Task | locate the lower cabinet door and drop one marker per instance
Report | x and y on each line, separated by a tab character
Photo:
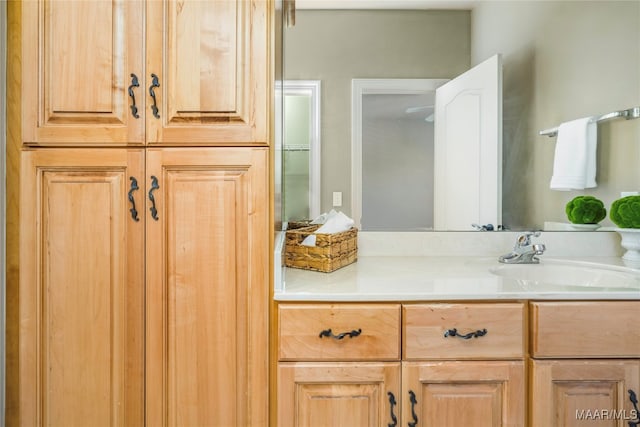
326	394
568	393
454	394
207	276
82	288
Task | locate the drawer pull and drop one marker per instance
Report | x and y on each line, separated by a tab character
134	187
154	186
414	402
392	403
634	400
328	333
154	84
454	333
134	83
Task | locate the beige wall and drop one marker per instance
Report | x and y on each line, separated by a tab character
562	61
339	45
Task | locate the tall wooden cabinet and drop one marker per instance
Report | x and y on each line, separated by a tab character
144	284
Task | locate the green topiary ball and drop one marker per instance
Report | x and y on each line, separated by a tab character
585	210
625	212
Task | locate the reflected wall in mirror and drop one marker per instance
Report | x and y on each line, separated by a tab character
562	60
301	148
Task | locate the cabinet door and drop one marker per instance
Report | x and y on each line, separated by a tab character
78	61
81	289
210	59
571	393
437	394
207	287
338	394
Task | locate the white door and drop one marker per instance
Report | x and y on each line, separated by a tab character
468	149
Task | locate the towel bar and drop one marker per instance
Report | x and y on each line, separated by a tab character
631	113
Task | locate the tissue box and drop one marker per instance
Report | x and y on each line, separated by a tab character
331	252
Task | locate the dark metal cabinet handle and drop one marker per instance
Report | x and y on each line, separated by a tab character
134	83
134	187
154	186
414	402
392	403
328	333
476	334
154	83
634	401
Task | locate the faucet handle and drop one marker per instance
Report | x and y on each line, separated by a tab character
524	239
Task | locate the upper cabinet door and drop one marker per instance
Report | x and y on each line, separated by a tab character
79	61
207	66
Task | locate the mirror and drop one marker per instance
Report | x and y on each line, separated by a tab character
562	60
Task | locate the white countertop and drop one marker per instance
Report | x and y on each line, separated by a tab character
431	278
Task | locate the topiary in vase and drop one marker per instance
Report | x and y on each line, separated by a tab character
625	213
585	211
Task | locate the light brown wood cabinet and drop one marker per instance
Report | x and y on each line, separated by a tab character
144	267
461	364
116	73
433	391
585	360
122	326
81	289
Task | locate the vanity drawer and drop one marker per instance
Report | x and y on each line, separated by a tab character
339	331
499	329
585	329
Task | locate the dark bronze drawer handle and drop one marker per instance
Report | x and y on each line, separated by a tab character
634	400
152	199
154	84
454	333
414	402
392	403
132	95
328	333
134	187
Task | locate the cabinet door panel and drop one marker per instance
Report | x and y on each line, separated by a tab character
487	394
211	61
81	290
338	394
207	288
579	392
78	57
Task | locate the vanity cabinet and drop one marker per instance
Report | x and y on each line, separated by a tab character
339	364
463	364
122	73
344	361
144	303
585	359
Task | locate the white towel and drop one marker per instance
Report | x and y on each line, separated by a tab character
574	164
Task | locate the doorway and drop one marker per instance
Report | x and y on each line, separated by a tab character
392	153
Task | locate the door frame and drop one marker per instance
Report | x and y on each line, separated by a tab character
359	88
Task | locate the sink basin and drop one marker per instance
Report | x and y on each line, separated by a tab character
567	273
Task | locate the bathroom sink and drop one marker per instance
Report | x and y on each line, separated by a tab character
568	273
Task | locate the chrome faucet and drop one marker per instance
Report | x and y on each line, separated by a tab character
524	252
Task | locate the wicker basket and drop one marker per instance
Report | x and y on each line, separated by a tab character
331	252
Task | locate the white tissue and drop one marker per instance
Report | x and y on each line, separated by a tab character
334	222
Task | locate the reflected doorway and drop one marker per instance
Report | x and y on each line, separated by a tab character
392	153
